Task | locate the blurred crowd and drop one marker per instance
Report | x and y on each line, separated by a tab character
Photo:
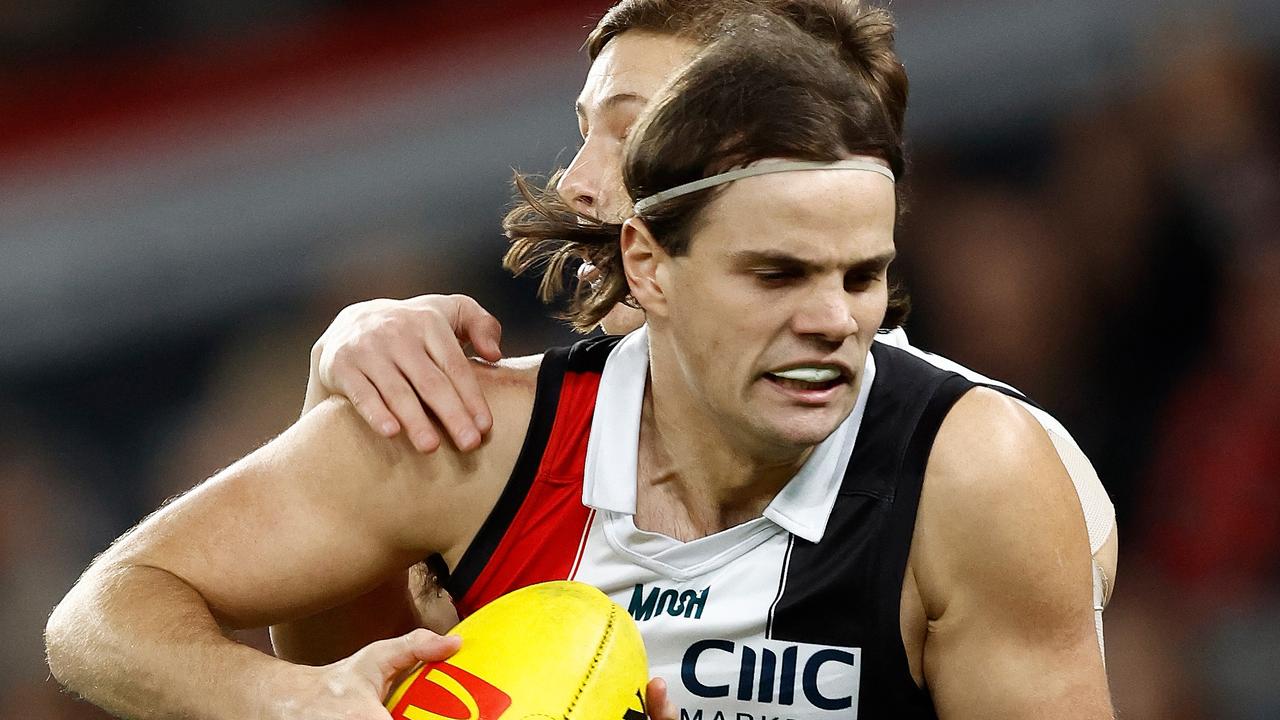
1122	264
1118	260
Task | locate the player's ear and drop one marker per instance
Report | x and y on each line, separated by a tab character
642	258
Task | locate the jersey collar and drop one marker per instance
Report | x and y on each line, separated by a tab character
609	483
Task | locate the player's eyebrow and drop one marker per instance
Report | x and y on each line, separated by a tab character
773	258
769	258
611	102
876	262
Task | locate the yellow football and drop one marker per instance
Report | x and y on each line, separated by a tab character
556	650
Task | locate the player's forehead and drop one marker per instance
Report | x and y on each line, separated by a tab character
631	69
824	218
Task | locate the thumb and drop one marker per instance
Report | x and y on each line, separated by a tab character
657	702
476	326
392	656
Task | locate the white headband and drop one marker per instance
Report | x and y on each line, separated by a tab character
760	168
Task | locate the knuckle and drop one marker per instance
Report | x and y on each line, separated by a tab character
436	315
403	403
456	418
431	381
454	362
343	356
353	348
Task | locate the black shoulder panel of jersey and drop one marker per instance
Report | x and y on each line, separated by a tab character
589	355
1008	390
846	589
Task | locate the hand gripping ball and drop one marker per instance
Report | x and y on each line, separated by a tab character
555	651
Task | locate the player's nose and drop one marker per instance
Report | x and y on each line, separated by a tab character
579	186
827	313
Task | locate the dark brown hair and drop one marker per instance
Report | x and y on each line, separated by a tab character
698	20
774	80
862	35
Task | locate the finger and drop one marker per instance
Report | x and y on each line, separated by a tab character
439	393
460	372
403	402
368	402
475	325
487	339
657	702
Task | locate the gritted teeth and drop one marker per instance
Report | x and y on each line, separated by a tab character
809	374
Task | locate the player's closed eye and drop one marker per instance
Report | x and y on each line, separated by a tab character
860	282
775	278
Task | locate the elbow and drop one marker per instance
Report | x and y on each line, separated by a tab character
69	633
59	643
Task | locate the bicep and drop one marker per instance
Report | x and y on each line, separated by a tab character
1037	658
1007	570
317	516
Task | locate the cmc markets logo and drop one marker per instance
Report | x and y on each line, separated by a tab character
447	692
774	673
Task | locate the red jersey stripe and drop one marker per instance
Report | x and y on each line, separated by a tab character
544	540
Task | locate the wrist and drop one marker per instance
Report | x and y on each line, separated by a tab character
284	690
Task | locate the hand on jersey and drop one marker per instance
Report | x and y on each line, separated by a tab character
401	364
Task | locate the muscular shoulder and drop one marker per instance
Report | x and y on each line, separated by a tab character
1094	501
454	489
510	388
989	445
998	508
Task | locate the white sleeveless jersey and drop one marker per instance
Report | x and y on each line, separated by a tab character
792	615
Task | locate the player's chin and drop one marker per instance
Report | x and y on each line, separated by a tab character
806	427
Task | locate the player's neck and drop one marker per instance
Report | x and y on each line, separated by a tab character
696	476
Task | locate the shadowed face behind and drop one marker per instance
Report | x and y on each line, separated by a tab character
628	73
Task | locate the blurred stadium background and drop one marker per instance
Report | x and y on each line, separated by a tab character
191	189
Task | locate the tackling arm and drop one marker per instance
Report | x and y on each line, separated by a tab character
323	513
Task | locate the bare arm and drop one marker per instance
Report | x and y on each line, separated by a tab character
322	514
1002	562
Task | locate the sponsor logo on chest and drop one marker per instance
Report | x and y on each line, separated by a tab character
646	603
769	680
